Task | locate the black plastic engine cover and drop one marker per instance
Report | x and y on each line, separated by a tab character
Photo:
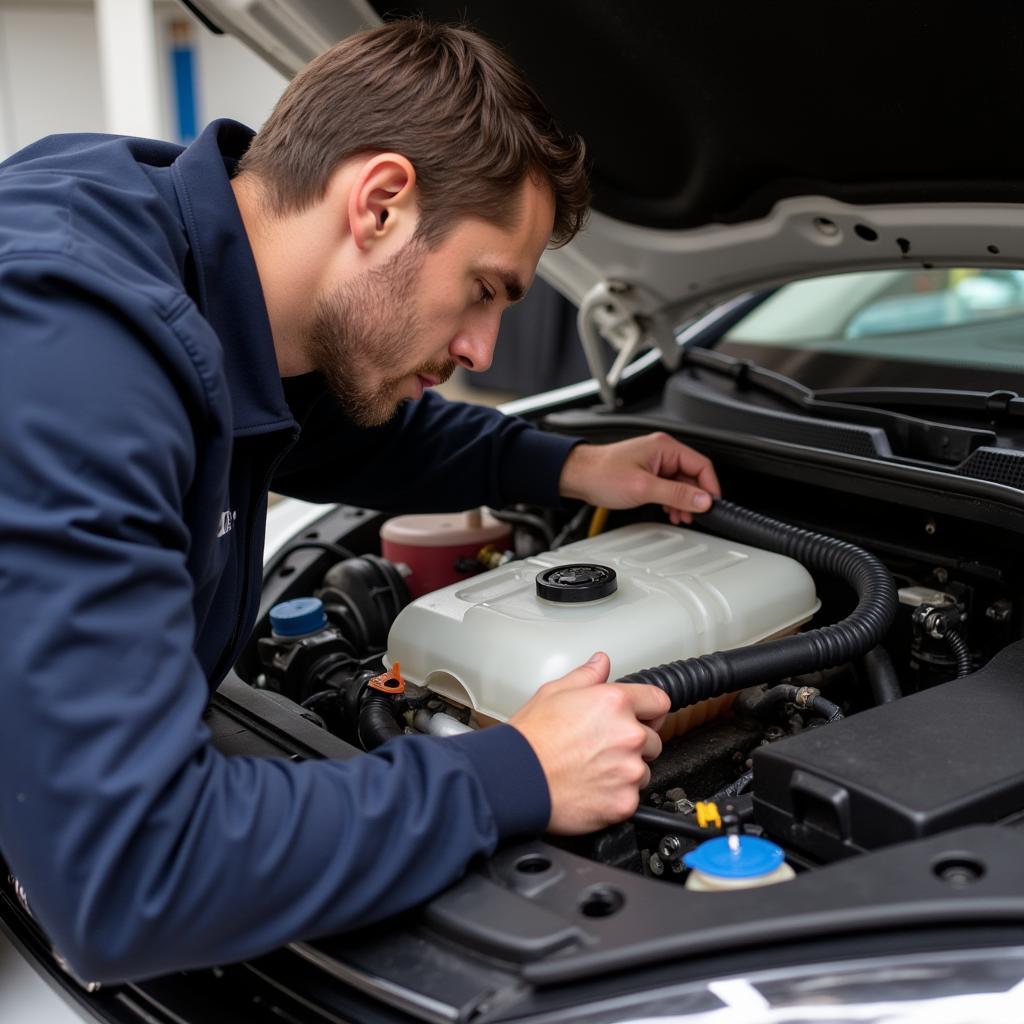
947	757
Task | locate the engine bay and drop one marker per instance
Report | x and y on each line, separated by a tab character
828	763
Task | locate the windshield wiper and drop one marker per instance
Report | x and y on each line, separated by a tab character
910	436
994	406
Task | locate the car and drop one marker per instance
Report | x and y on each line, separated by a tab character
804	259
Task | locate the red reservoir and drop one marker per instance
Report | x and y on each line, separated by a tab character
432	545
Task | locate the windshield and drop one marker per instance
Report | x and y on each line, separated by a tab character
955	328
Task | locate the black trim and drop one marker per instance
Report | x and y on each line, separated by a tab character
193	9
933	490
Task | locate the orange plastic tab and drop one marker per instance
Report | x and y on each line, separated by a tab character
390	681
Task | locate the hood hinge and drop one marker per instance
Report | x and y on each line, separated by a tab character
612	312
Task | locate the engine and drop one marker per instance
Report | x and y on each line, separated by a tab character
772	709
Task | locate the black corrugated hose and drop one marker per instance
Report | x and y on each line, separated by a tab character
695	679
961	652
378	719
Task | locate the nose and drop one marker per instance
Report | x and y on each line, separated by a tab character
473	348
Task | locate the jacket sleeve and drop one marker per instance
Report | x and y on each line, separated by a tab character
433	456
141	848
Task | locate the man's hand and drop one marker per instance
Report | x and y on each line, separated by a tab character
655	468
593	739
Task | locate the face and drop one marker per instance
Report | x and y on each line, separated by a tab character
405	325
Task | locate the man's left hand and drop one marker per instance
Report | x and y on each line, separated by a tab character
655	468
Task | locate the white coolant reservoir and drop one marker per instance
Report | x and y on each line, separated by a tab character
491	642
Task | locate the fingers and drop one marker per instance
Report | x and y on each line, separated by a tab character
593	740
679	461
645	702
652	745
708	479
699	468
672	463
590	673
641	470
657	723
657	720
679	497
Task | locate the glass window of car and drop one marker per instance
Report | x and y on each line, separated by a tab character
909	327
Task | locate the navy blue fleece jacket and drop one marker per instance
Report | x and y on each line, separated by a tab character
140	400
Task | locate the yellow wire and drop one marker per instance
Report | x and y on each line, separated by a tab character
597	521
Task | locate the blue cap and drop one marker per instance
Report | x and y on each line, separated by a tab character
299	617
753	857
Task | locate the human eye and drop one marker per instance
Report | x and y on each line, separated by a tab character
486	293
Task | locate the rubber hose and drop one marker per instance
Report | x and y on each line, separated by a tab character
734	788
756	704
665	821
528	521
961	652
696	679
882	678
829	711
378	720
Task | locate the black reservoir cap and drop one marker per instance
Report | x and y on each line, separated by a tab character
575	583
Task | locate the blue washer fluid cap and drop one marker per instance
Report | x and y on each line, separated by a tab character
753	857
298	617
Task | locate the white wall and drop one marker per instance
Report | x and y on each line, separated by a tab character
50	72
233	82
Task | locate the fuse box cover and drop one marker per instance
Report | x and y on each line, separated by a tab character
946	757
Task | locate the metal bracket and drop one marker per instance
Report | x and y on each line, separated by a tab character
613	312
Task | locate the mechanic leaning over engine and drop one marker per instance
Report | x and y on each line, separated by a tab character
181	329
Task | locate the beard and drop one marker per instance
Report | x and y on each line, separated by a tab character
364	329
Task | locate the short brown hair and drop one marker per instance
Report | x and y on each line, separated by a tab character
444	97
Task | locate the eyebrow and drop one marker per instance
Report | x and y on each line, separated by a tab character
514	289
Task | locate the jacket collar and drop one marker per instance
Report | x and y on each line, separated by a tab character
228	290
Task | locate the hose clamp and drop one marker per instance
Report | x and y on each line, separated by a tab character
937	622
805	696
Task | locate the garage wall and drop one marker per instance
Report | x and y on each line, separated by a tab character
233	81
50	72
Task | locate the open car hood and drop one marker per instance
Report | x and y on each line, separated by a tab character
735	148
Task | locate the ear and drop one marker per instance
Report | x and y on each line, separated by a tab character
382	200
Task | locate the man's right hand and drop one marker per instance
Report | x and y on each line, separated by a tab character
593	740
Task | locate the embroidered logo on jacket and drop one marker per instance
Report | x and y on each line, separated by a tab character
227	521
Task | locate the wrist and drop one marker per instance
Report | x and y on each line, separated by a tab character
575	469
512	777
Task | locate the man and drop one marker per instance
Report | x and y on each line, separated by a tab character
178	331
